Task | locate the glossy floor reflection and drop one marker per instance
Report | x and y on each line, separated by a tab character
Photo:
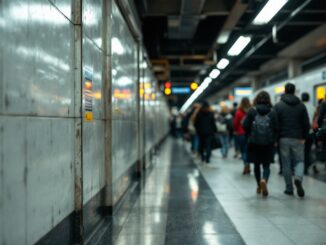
278	219
175	206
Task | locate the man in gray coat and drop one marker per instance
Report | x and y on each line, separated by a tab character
293	130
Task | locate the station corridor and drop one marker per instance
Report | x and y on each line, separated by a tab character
182	202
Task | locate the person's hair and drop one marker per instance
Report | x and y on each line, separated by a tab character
320	101
305	97
263	98
205	105
289	88
235	104
245	104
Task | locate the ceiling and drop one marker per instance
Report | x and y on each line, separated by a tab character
181	37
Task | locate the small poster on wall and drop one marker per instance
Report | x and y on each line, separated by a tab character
88	94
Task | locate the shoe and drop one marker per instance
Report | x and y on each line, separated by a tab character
280	173
263	187
246	170
289	193
300	190
258	191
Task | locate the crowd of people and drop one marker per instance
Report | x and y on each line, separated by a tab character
259	131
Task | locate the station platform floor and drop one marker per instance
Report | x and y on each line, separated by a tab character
184	202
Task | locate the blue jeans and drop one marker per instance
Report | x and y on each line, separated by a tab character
292	150
242	143
266	172
205	147
225	144
194	142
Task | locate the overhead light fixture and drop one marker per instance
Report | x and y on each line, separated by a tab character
239	45
223	37
269	11
214	74
223	63
195	95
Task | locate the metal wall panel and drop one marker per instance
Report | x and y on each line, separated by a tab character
92	21
124	96
36	118
93	60
93	155
38	68
37	176
64	6
124	69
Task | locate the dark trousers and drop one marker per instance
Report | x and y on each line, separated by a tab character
307	151
266	172
242	143
205	147
279	157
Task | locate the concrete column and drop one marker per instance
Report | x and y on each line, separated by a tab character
78	163
294	68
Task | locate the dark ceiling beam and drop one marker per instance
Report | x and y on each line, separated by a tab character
305	23
187	67
235	14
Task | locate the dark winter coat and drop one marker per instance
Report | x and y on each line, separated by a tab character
205	123
261	153
292	117
322	114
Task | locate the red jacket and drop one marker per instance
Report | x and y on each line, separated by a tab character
237	122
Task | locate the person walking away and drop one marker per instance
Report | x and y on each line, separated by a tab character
224	123
206	130
239	132
178	125
293	130
192	130
261	127
310	139
232	135
321	133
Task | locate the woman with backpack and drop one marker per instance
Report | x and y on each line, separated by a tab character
261	127
239	133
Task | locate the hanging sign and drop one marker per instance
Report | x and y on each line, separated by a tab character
88	95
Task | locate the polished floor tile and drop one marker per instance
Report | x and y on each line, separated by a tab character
278	219
176	206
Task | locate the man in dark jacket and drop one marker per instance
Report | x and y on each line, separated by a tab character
293	130
205	127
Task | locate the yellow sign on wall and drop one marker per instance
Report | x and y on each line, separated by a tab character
88	95
320	92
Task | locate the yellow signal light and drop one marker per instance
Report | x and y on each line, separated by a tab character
167	91
194	86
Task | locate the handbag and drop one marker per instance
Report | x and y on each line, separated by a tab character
321	133
216	143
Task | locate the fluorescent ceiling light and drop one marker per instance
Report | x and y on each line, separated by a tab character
223	63
269	11
195	95
223	37
239	45
214	74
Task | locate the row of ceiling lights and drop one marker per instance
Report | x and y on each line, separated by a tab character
264	16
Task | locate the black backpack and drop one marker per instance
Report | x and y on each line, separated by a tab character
262	130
